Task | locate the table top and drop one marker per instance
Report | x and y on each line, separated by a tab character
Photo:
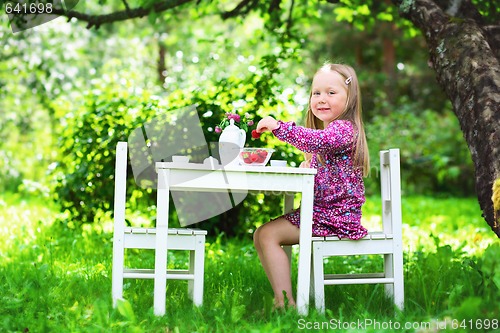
237	168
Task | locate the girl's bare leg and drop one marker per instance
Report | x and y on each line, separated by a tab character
268	239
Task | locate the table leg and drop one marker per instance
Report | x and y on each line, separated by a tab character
288	207
304	266
288	204
160	278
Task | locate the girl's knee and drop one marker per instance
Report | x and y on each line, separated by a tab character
267	235
256	240
261	236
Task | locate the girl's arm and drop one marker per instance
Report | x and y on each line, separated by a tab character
337	136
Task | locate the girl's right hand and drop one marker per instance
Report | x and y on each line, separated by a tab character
267	124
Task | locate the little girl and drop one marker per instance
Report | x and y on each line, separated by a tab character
334	143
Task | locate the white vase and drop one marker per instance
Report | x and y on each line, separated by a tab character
231	140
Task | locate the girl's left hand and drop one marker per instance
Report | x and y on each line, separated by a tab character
267	124
305	164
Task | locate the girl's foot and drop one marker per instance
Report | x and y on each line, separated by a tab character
282	305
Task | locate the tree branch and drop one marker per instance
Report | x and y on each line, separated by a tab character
274	6
289	21
130	13
127	7
241	9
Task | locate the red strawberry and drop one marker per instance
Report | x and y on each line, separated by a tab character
254	157
255	134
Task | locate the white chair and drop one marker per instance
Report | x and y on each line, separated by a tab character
388	243
192	240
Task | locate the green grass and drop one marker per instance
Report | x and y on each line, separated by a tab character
55	279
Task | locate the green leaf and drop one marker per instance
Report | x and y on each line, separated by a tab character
125	309
343	14
152	17
385	17
363	10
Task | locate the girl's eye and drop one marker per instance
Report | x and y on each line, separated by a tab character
331	92
316	93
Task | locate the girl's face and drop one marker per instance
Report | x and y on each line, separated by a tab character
328	96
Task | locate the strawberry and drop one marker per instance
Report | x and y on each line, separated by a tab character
255	134
245	157
254	157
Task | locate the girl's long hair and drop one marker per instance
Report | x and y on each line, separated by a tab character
352	112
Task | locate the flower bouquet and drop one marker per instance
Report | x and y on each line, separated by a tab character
242	122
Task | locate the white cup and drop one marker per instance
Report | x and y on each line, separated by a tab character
180	159
278	163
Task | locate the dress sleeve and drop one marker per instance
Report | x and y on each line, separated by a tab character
338	136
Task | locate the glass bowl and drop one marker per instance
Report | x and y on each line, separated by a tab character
255	156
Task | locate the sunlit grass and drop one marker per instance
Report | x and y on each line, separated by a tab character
453	221
54	279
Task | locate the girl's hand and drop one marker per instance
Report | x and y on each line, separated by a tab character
267	124
305	164
307	161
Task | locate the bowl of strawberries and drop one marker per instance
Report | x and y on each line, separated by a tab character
255	156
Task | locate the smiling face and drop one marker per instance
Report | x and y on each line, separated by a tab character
328	96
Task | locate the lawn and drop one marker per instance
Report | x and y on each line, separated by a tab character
57	279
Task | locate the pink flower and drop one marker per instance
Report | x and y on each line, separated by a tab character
243	122
234	116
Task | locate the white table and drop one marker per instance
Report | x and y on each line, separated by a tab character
199	177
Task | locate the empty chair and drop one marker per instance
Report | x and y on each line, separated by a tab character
192	240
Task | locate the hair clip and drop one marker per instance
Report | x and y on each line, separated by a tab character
348	80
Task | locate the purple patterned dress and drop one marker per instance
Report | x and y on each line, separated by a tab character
339	190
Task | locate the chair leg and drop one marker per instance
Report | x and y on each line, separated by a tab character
192	270
318	273
312	285
117	273
399	297
389	272
399	293
393	267
197	266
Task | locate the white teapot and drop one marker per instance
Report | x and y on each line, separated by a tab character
233	134
231	140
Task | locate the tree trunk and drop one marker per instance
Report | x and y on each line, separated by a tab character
464	54
161	68
389	60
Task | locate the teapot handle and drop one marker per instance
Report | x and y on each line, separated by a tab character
243	138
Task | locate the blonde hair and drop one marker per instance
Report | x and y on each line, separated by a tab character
352	112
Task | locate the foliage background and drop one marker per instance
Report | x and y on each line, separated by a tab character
69	94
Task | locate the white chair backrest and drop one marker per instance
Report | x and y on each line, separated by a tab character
120	187
391	192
